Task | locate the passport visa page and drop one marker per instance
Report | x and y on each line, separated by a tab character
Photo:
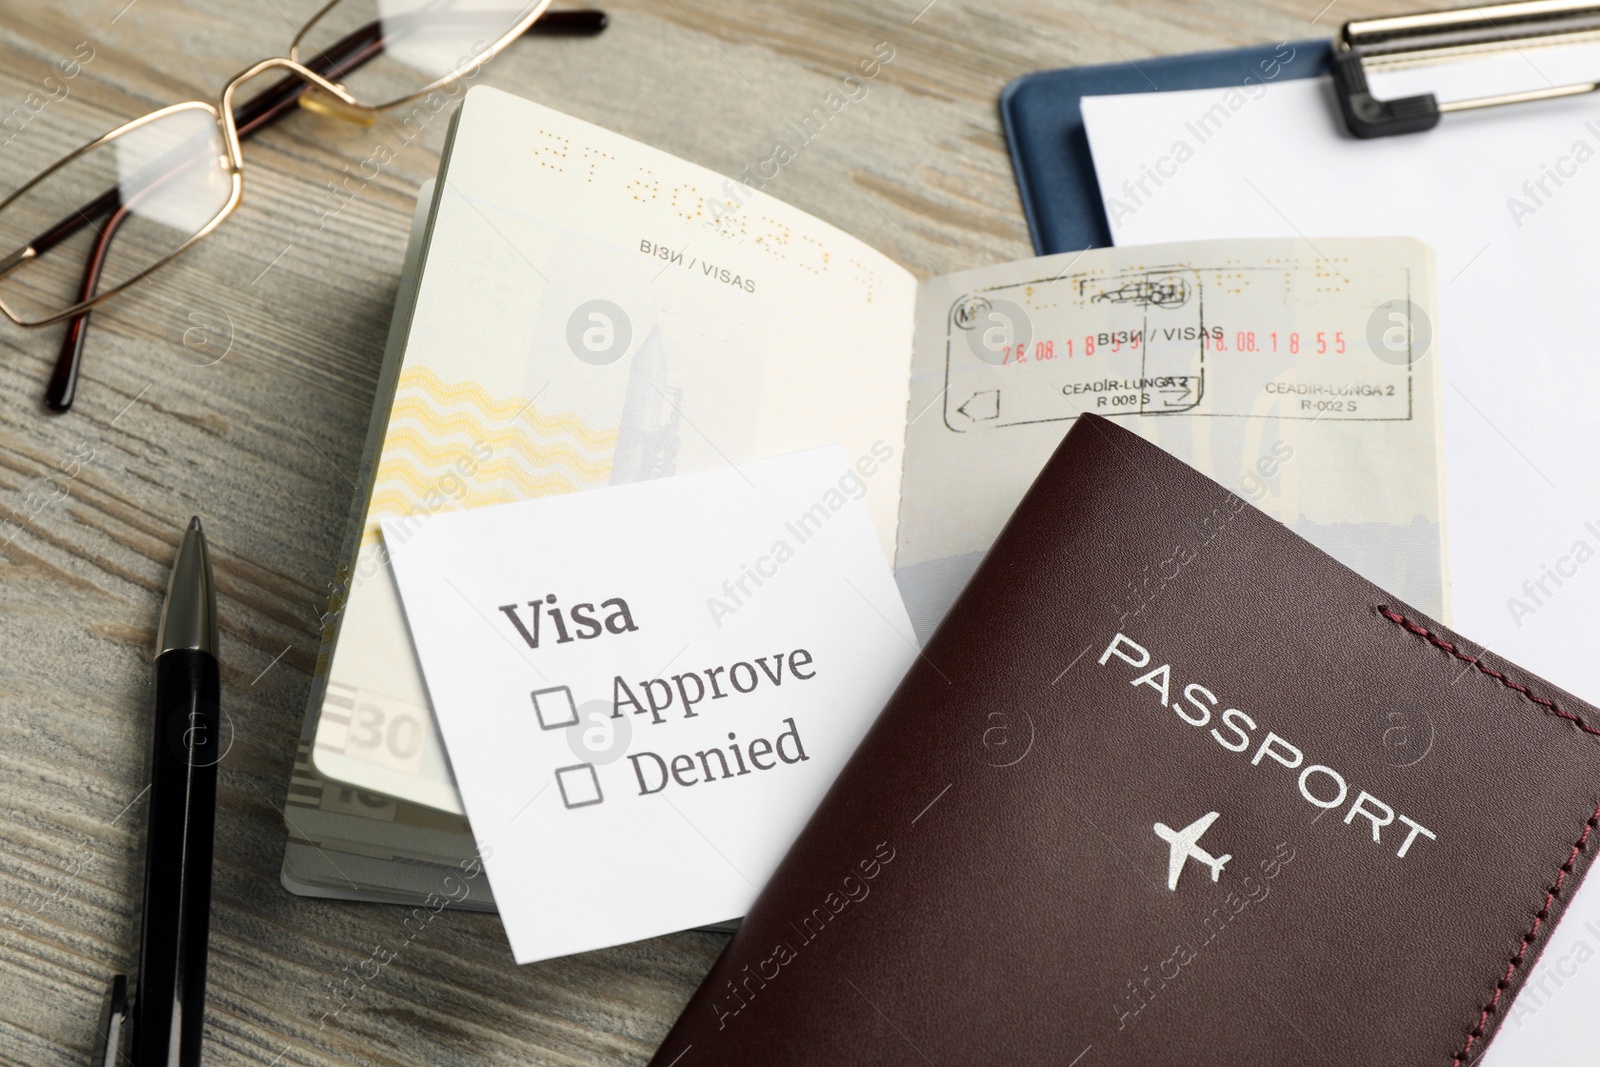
1303	378
594	312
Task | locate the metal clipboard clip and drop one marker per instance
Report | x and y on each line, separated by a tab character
1372	44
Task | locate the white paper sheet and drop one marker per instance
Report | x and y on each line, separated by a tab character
1510	201
647	689
1517	334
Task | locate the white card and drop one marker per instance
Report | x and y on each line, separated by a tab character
646	689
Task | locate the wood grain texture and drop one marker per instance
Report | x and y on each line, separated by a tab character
264	440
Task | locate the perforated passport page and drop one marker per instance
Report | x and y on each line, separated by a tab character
1168	785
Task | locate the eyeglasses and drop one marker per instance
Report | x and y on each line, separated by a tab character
121	207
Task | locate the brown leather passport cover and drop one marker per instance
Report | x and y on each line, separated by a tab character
1400	818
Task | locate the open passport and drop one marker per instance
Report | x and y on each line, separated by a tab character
581	310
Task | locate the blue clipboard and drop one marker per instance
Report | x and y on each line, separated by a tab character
1043	118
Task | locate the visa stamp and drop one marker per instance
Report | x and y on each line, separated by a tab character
1291	341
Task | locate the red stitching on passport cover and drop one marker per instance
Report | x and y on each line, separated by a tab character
1572	857
1527	939
1473	661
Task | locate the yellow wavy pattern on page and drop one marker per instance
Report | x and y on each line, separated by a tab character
452	445
513	455
425	394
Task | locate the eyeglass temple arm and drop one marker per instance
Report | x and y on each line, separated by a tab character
262	110
254	115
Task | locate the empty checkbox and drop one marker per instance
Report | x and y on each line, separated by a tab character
580	786
555	707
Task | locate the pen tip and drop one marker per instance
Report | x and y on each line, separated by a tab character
189	615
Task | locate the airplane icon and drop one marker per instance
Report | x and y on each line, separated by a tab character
1186	845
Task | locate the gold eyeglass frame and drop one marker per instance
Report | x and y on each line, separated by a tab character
324	97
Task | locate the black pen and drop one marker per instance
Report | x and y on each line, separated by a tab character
168	999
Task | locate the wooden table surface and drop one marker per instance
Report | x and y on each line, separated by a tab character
238	386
